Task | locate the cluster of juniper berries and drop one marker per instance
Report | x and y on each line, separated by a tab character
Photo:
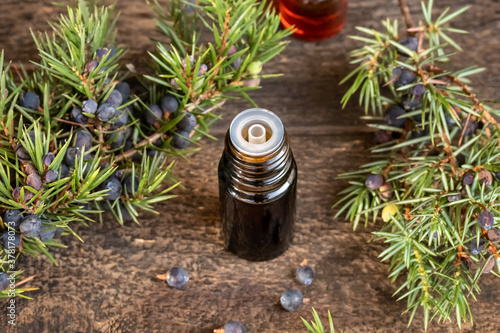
396	116
106	125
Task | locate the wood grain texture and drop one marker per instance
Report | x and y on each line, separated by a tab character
107	284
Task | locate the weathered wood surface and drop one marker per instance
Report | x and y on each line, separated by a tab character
108	284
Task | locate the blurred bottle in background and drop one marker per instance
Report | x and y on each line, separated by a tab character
313	19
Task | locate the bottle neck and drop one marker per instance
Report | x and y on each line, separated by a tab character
258	178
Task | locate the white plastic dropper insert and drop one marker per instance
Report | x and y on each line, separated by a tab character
256	124
257	134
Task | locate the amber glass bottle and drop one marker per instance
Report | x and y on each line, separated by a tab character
313	19
257	186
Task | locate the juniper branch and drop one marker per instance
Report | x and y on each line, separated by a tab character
437	184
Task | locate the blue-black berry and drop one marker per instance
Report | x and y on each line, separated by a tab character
291	300
396	73
128	145
114	188
16	194
10	241
30	168
4	281
497	175
47	233
234	327
154	115
48	159
418	90
124	89
419	132
187	123
32	137
118	174
392	116
118	138
156	154
30	100
401	77
31	226
51	175
180	140
468	179
115	99
71	154
125	213
304	275
476	248
100	53
121	120
411	103
177	277
405	78
89	106
485	219
59	232
169	103
64	171
374	181
83	140
127	184
159	142
410	43
22	153
91	66
13	218
105	112
34	181
78	116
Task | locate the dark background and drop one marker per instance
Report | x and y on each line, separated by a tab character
108	284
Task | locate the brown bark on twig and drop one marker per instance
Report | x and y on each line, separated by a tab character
131	152
405	11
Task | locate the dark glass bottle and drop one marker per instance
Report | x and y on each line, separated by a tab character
257	187
313	19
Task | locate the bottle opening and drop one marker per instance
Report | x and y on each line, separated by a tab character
256	132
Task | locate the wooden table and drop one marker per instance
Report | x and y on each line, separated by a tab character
108	283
